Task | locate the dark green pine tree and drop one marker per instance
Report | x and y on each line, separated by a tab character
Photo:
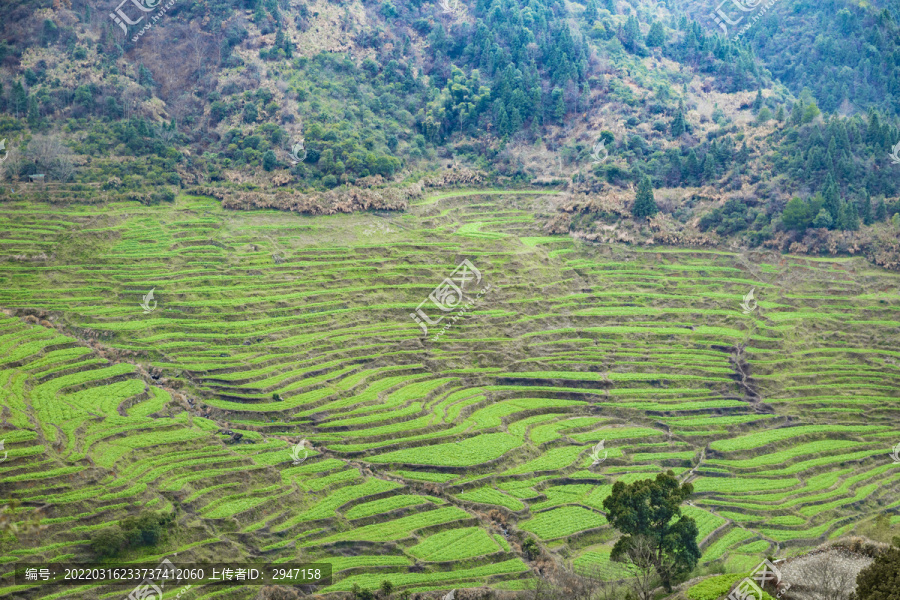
779	114
644	202
709	168
874	129
656	37
515	121
865	211
503	121
879	212
832	198
692	169
18	99
559	105
590	12
796	114
852	216
678	125
758	102
631	34
849	218
34	113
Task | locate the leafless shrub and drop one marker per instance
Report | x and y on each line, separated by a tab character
51	157
571	585
828	575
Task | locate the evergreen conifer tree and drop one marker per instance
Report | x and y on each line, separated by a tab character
644	202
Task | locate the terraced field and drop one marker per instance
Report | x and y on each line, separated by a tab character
432	456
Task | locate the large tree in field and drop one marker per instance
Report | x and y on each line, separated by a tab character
648	513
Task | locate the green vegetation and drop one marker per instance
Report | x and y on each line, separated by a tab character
879	580
146	529
424	455
650	510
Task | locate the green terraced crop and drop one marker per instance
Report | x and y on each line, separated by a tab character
398	528
488	495
455	544
387	504
340	563
326	507
467	453
733	485
561	522
445	578
628	345
764	438
730	539
597	563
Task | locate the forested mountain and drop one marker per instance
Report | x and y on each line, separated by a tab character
266	100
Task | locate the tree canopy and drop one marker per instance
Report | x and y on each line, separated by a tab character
650	509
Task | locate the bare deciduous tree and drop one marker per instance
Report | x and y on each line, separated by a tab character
65	168
586	584
130	99
643	571
196	39
825	576
12	166
44	150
